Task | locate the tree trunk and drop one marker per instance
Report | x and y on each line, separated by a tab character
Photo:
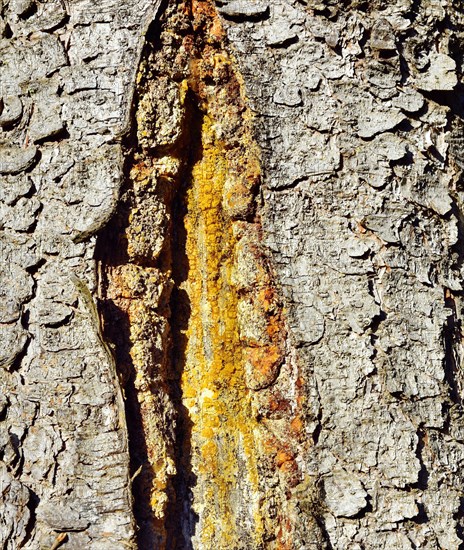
231	236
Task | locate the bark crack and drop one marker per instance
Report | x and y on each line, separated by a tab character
189	302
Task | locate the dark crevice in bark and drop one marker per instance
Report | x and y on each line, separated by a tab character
421	517
452	331
325	535
34	501
33	269
7	32
318	515
415	10
17	363
59	137
452	99
368	509
376	321
423	475
16	465
30	11
452	335
241	18
65	21
318	429
179	519
457	214
180	516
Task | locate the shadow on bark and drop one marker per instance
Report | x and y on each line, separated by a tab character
179	522
180	519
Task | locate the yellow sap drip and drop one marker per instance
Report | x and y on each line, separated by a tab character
213	381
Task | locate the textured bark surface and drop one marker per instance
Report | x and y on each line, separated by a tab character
231	238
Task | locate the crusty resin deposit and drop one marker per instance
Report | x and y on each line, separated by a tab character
190	305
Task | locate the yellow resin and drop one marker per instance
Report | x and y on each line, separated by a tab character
213	382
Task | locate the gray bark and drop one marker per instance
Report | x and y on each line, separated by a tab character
67	77
358	114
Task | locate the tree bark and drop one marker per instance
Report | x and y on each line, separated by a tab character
231	236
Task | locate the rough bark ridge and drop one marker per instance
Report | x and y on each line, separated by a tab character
340	417
66	80
361	142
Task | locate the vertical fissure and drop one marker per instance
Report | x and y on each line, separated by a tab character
181	518
190	306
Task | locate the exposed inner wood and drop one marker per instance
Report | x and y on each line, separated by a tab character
190	304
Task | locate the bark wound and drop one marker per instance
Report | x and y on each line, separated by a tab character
189	302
